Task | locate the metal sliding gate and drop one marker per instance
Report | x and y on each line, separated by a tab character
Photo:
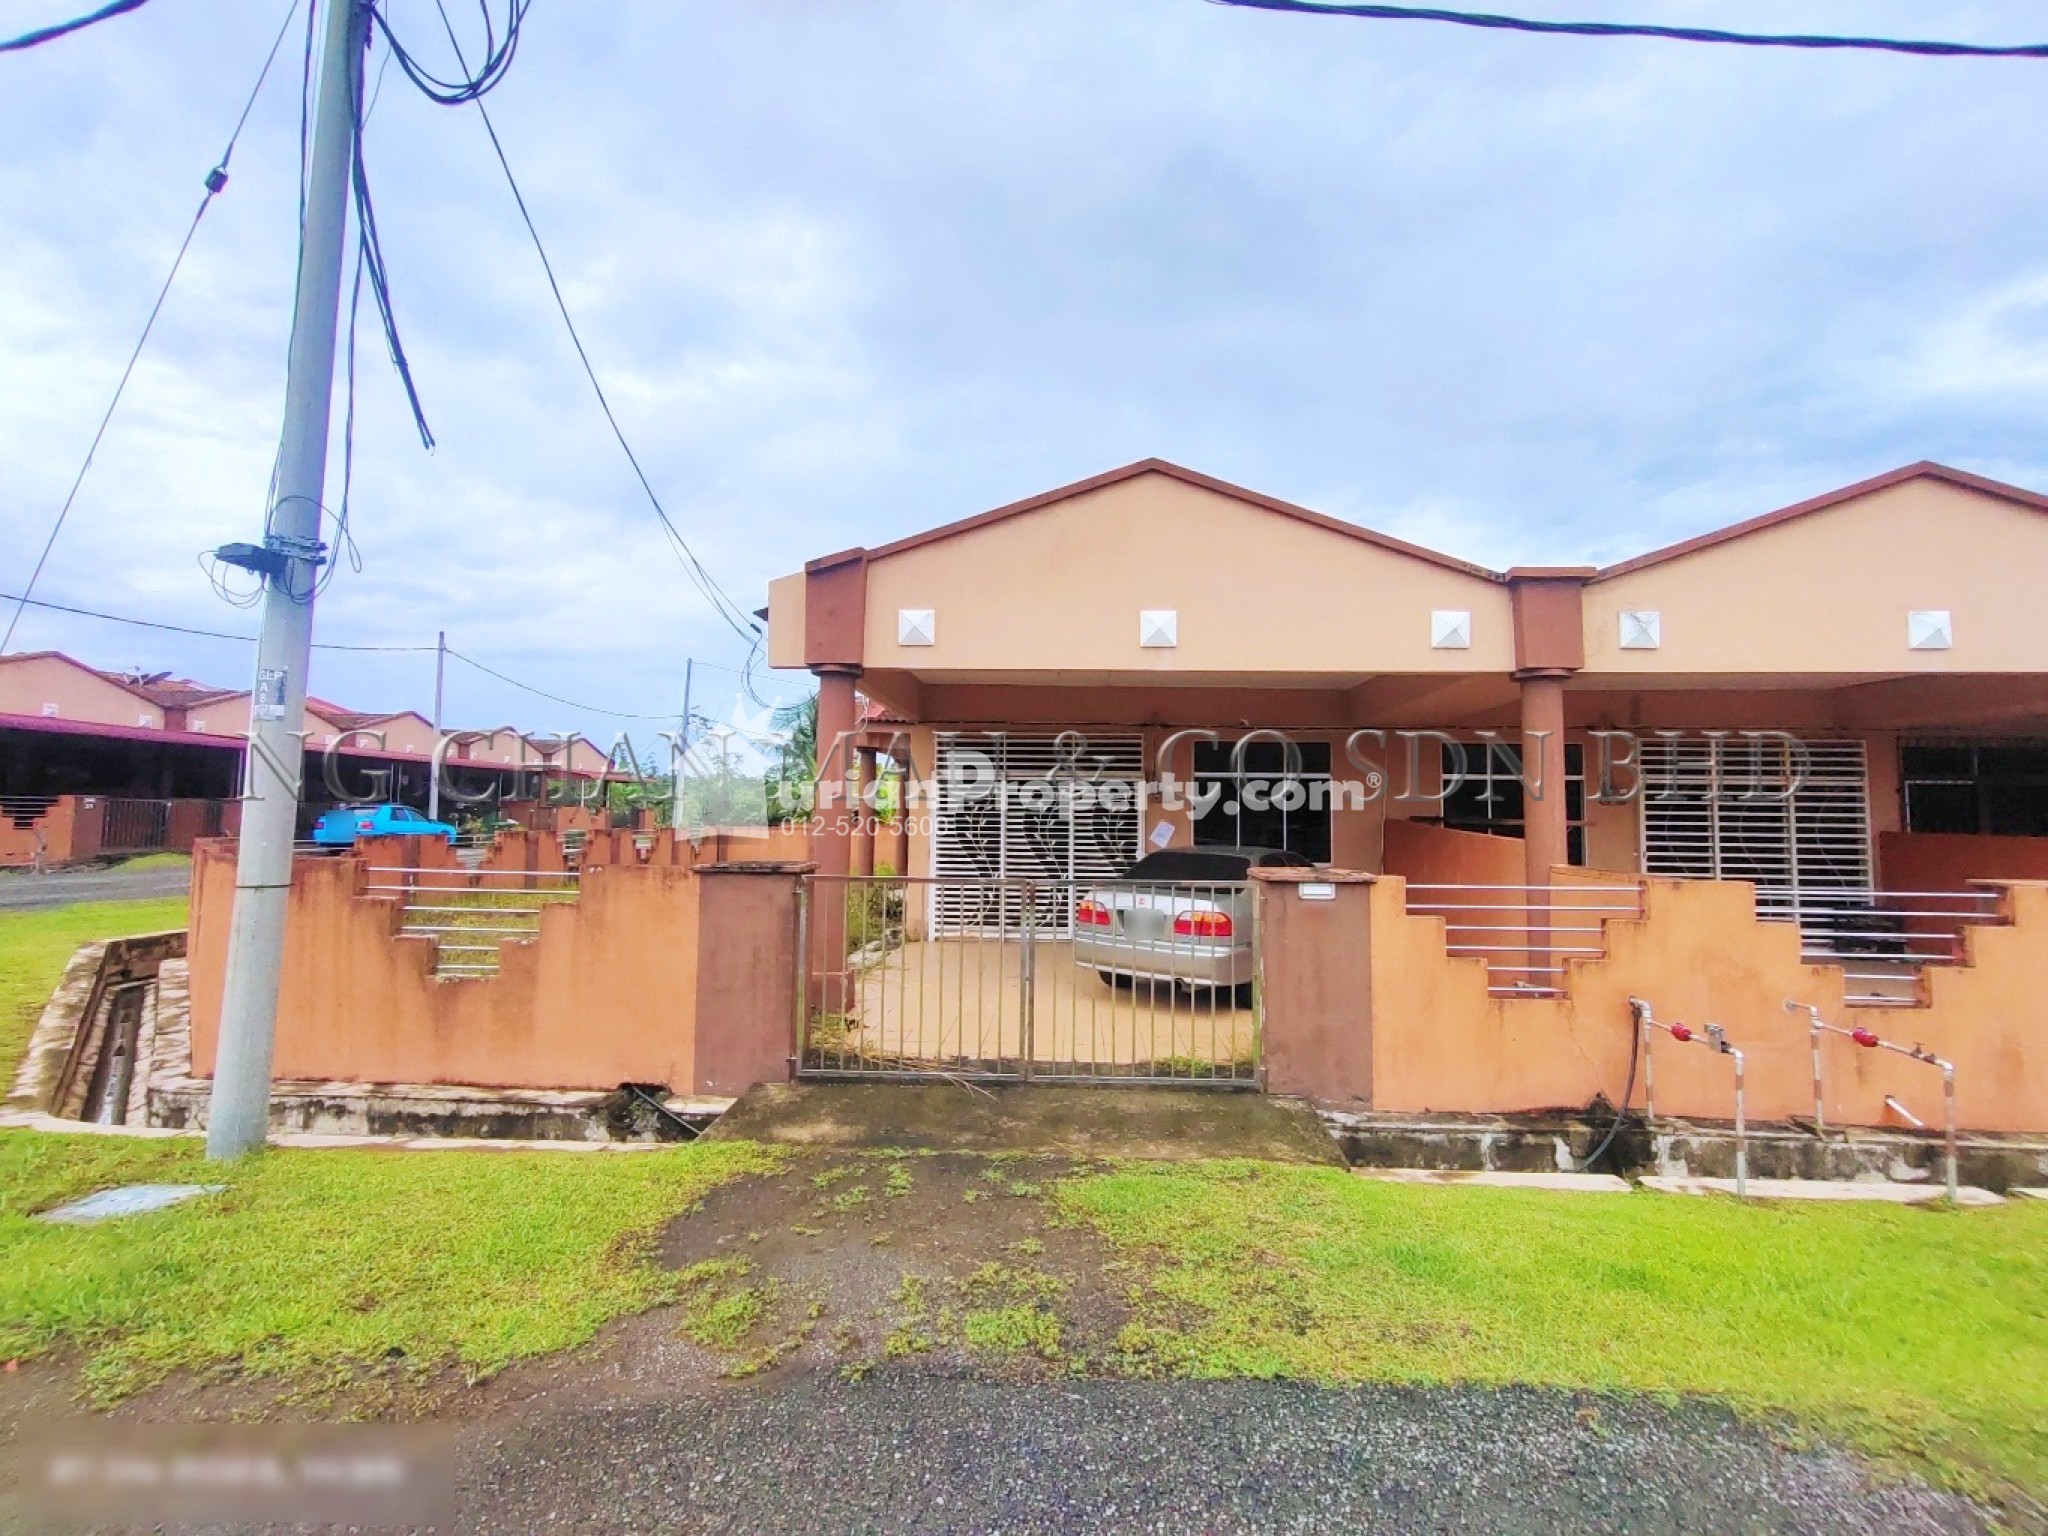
994	979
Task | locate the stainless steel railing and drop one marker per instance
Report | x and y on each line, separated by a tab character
470	913
1885	941
1525	933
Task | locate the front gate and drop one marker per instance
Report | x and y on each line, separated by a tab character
1028	980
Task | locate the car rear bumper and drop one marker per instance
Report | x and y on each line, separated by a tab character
1224	965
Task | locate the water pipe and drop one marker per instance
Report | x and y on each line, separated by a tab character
1870	1040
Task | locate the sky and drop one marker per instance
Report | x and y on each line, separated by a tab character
849	271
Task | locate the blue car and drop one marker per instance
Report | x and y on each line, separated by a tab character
340	827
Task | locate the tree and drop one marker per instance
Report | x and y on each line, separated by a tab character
793	782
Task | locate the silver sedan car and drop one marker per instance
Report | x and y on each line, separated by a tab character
1181	916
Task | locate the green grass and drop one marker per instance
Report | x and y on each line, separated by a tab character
1012	1331
157	861
34	947
1921	1333
315	1265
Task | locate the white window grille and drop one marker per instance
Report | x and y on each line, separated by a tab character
1029	807
1796	821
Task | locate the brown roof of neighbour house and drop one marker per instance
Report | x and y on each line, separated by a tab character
166	692
875	713
1189	477
1926	469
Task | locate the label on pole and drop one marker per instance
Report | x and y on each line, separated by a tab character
269	698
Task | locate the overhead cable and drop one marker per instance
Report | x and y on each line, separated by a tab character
722	604
50	34
216	180
1817	40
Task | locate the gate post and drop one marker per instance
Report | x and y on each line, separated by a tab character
1315	983
1028	978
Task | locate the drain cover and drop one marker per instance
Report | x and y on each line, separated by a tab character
129	1200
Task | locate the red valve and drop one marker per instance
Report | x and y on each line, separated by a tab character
1681	1032
1863	1037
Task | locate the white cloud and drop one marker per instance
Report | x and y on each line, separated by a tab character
851	271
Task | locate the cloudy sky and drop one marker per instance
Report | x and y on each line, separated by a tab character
849	270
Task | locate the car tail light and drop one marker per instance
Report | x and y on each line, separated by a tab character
364	826
1092	914
1203	925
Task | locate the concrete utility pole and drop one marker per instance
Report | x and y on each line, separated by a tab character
434	770
239	1118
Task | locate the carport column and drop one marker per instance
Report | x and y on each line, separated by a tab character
1548	604
1546	833
860	786
832	833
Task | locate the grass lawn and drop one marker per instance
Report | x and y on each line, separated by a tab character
156	861
314	1264
34	947
1921	1333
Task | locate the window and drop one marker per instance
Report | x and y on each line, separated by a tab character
1990	788
1728	807
1264	807
1490	797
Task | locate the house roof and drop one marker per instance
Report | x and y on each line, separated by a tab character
52	725
1926	469
167	692
1188	477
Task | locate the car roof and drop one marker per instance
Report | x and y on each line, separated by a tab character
1236	851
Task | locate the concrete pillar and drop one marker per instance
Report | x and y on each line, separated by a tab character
832	834
863	818
745	1029
1545	822
1315	985
1546	829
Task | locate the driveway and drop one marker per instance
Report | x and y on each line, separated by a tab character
21	891
960	1001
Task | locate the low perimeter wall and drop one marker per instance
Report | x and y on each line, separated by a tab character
661	971
75	828
1363	1008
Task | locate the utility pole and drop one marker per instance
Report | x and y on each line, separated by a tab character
434	773
682	755
239	1118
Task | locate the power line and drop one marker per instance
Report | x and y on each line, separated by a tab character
318	645
701	578
64	28
616	714
186	629
216	180
1922	48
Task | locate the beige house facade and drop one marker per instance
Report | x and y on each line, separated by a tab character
1825	697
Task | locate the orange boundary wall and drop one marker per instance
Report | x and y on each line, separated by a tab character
659	972
1423	1034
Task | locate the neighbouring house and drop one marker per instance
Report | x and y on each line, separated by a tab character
98	761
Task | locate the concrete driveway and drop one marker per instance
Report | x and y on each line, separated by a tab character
959	1001
21	891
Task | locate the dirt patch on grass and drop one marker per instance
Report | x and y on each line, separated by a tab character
846	1260
852	1258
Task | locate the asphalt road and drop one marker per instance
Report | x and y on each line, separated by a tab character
910	1453
21	891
